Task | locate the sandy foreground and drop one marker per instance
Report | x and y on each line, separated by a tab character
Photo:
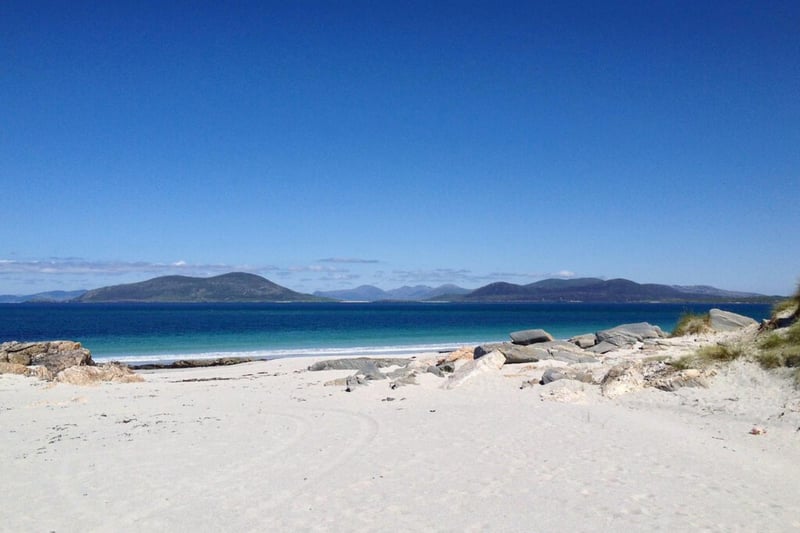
266	446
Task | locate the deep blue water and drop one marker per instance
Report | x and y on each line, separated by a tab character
141	332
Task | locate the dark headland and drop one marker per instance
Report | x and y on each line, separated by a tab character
232	287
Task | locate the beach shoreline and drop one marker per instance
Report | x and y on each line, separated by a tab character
267	444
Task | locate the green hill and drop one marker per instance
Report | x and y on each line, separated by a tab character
233	287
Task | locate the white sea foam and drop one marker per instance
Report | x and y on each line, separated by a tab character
383	351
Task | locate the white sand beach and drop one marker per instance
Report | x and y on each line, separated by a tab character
266	446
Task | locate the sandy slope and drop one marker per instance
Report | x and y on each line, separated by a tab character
265	446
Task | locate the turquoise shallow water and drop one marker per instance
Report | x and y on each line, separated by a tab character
160	332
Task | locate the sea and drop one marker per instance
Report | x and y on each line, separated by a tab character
161	333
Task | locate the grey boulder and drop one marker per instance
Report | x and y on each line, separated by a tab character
625	335
512	352
566	352
367	364
584	341
550	375
530	336
727	321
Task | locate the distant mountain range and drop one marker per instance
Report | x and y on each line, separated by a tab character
370	293
233	287
51	296
243	287
598	290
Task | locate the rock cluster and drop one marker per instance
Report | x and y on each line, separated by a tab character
54	355
624	335
90	375
619	360
556	350
368	369
60	361
632	376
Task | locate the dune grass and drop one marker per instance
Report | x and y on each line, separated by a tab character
708	356
775	348
691	324
783	306
787	306
719	353
781	347
784	344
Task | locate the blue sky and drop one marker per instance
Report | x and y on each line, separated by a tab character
331	144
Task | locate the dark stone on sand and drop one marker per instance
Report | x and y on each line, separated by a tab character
513	353
603	347
356	363
530	336
550	375
448	367
194	363
625	335
587	340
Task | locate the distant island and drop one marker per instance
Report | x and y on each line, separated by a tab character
232	287
552	290
41	297
244	287
611	291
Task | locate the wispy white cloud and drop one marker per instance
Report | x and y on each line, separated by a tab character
315	268
74	266
353	260
340	277
467	277
437	275
499	276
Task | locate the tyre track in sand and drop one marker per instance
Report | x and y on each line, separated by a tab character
318	461
257	477
129	490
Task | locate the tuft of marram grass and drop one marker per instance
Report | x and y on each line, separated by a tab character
781	348
790	306
707	356
682	363
769	360
782	339
773	340
784	306
719	352
791	357
691	324
793	334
